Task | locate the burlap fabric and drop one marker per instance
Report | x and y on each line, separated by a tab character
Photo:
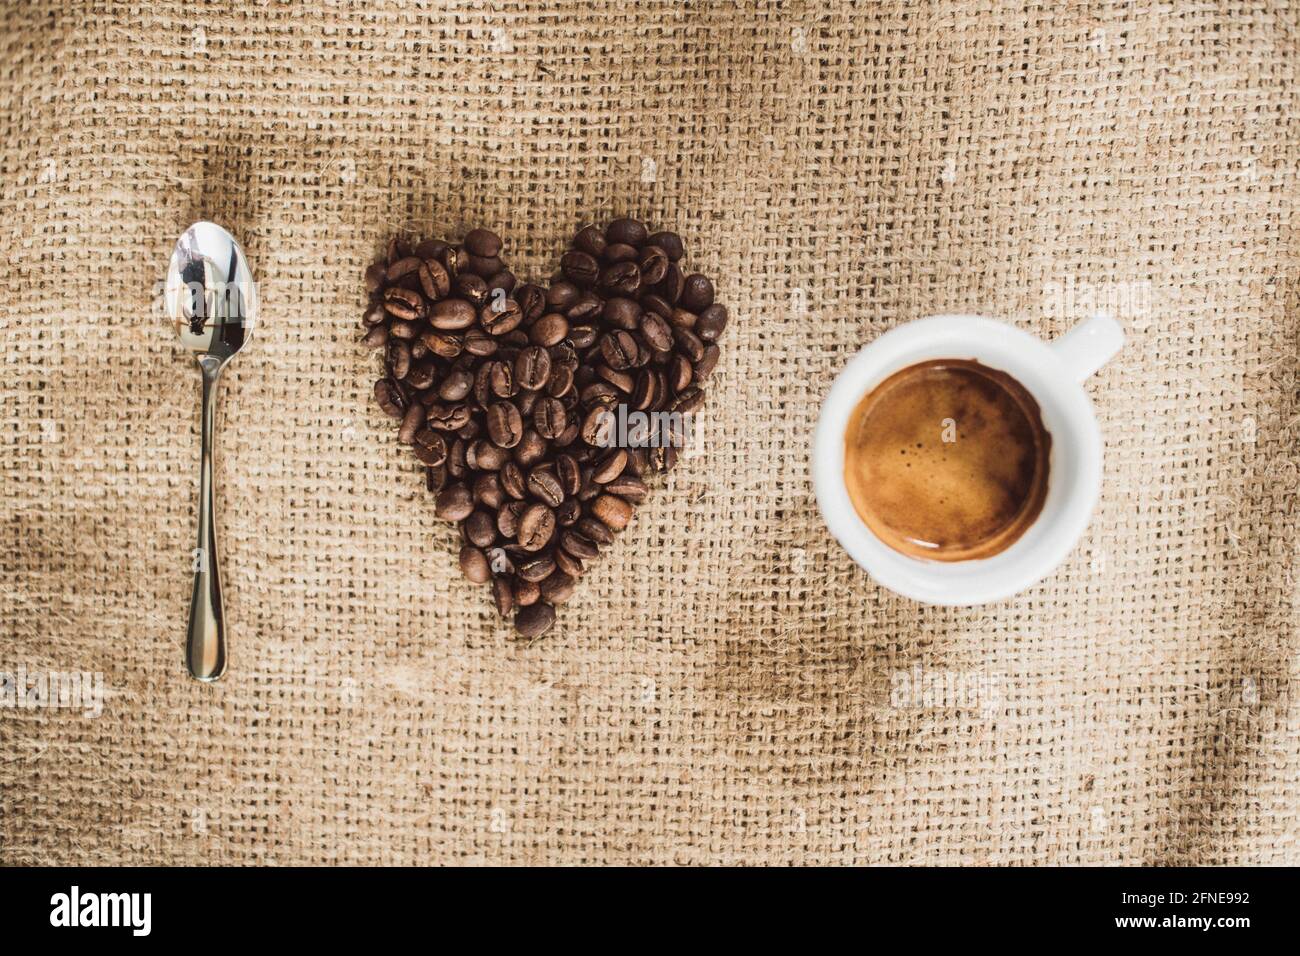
727	686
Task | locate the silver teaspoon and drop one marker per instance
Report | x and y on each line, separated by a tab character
212	302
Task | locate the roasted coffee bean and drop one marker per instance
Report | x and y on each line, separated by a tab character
681	319
536	527
434	280
619	349
482	242
500	316
503	595
534	620
561	295
620	252
456	466
669	242
580	267
412	422
621	313
398	246
487	490
480	529
568	563
430	248
621	278
708	362
486	456
526	593
532	302
568	512
680	373
558	587
430	447
545	486
549	417
501	378
583	336
398	329
485	266
712	322
452	315
456	386
454	503
512	481
670	287
629	231
590	240
599	393
531	449
586	308
697	293
533	368
435	479
422	374
377	337
578	545
595	531
376	276
479	344
403	303
646	392
610	467
620	380
657	333
447	418
508	518
472	288
398	358
613	511
656	304
566	469
689	344
526	402
504	423
629	487
688	401
654	264
550	329
561	381
474	564
536	570
598	427
390	398
403	267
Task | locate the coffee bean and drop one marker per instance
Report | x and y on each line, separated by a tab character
456	385
560	383
435	479
456	466
708	362
505	425
595	531
471	288
670	287
619	349
535	620
620	252
598	427
689	344
531	448
434	280
500	316
654	265
487	490
545	486
533	368
550	329
578	545
590	240
569	511
621	278
628	231
403	267
527	593
474	564
566	469
447	418
536	570
610	467
557	588
452	315
629	487
561	295
621	313
532	302
412	421
512	481
549	417
389	398
669	242
585	308
429	446
486	456
536	527
508	518
482	242
454	503
567	563
398	358
580	267
503	595
614	511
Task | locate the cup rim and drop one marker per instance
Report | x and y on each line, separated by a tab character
1043	372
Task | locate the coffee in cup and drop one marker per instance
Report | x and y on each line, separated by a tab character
947	460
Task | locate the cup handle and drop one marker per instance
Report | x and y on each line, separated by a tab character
1089	345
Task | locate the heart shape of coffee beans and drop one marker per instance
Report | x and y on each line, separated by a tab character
511	394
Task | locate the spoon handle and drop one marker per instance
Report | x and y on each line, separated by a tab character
205	646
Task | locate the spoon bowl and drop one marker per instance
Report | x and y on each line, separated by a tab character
212	302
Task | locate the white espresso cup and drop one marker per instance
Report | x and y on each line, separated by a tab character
1053	373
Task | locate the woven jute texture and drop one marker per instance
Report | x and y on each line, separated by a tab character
727	686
